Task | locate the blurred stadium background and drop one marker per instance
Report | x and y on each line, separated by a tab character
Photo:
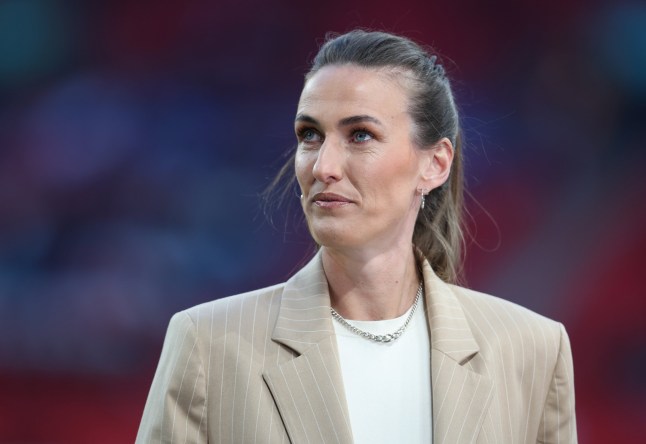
136	136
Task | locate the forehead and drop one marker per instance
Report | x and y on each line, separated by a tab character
354	89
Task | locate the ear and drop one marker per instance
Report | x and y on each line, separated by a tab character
436	164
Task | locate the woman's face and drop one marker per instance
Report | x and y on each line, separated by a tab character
356	163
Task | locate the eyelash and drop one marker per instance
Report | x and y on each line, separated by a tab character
302	131
301	134
363	130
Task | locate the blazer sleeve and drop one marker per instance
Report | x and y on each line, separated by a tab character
176	410
558	424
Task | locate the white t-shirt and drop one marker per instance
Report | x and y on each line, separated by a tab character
388	385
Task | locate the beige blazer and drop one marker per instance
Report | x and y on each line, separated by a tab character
263	367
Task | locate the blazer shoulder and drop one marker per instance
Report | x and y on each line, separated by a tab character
217	314
472	299
512	324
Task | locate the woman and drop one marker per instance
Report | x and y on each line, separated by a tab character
371	341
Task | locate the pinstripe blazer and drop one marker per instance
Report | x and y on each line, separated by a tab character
263	367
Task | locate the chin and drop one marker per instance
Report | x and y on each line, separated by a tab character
334	237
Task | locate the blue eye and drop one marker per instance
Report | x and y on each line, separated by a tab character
308	135
361	136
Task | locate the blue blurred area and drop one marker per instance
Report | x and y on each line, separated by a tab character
135	139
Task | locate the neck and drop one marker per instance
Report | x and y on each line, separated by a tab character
371	287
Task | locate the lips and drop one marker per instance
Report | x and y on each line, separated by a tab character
330	200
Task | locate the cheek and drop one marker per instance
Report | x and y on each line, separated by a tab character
302	169
394	183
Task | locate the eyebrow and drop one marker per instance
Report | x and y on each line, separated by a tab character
343	122
306	118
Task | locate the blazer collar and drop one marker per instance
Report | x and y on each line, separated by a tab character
450	331
304	317
461	396
308	389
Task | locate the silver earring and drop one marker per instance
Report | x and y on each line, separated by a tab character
423	192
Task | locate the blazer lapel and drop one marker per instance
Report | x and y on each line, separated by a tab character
308	390
461	397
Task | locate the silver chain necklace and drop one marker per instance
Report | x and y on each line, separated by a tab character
390	337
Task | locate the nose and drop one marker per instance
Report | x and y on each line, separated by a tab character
328	167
